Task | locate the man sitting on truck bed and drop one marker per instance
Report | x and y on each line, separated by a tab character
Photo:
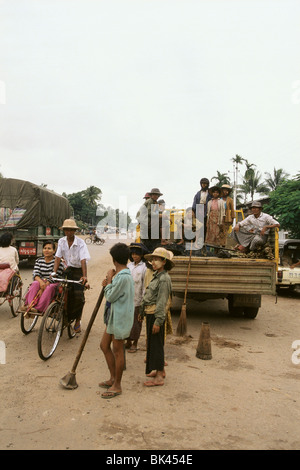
252	232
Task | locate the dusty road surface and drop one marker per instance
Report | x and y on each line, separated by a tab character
245	397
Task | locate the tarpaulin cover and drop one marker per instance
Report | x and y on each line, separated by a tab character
24	204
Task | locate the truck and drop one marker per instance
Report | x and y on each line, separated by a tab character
33	214
289	253
223	273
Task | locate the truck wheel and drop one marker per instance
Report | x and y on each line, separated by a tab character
250	312
234	311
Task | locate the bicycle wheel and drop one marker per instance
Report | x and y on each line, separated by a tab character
50	331
28	322
88	240
16	295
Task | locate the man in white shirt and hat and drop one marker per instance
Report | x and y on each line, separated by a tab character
252	232
76	255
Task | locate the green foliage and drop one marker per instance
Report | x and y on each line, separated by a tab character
284	206
89	212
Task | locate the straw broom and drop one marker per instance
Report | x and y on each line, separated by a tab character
181	327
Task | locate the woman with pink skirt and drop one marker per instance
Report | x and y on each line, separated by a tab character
42	290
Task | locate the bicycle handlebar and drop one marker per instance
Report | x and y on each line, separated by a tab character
56	279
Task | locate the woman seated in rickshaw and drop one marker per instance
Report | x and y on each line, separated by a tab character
8	253
9	260
42	290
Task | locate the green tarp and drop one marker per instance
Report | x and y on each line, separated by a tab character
24	204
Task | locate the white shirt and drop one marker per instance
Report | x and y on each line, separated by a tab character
257	223
73	255
9	254
138	272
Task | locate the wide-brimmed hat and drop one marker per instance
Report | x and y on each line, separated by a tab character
256	204
147	196
156	191
226	186
162	253
69	223
214	188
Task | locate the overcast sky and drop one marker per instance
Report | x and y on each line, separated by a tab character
134	94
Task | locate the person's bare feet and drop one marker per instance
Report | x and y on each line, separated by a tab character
153	373
158	379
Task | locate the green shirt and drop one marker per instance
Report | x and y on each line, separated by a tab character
120	293
157	293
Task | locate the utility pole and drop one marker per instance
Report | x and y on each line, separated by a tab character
236	161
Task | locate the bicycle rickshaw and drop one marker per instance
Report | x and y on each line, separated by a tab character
94	239
54	321
10	288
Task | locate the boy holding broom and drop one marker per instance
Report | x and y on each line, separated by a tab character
119	292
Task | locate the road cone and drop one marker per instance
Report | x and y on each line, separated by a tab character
204	343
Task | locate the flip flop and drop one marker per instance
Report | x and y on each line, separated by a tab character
152	384
132	350
104	384
110	394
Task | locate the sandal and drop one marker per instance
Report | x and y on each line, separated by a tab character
77	328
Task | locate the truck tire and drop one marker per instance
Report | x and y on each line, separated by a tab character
251	312
234	311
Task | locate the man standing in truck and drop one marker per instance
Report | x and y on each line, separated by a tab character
252	232
148	217
200	202
75	254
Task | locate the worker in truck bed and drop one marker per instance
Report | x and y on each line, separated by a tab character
252	232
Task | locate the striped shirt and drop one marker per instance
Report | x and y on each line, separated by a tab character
43	269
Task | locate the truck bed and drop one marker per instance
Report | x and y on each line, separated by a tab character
212	275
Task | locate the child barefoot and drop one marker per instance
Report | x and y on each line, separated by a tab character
119	292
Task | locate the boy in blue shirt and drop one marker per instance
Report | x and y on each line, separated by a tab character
119	292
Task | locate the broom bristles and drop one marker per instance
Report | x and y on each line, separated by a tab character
181	327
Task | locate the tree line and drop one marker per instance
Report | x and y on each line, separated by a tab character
283	192
88	210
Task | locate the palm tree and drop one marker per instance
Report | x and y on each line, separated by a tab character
92	195
221	178
272	182
252	184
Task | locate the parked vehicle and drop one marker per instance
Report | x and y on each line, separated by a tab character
33	214
289	254
220	273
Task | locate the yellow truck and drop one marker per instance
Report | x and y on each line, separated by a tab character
240	280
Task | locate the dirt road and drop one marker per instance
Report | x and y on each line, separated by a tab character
245	397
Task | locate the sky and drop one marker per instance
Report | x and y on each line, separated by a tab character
130	95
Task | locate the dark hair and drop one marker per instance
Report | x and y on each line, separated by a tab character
49	242
120	253
5	239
